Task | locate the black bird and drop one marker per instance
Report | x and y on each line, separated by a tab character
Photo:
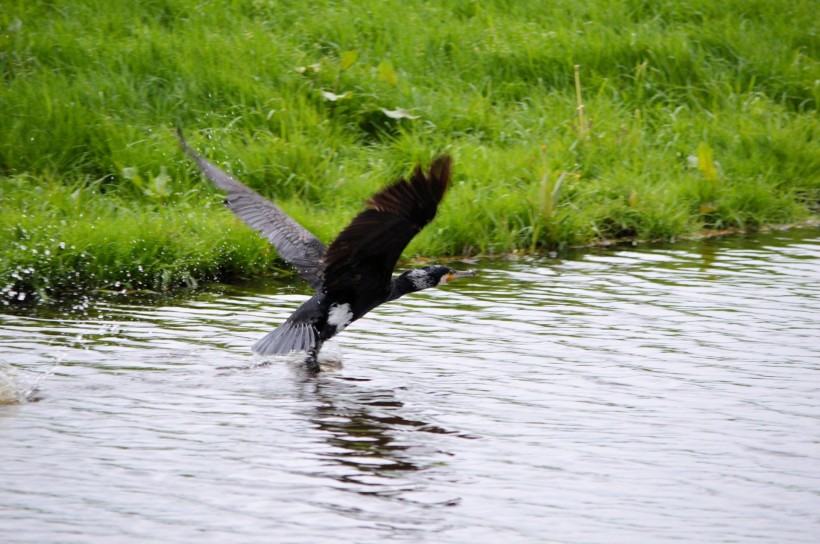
354	274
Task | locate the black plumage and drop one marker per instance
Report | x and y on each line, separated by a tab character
354	274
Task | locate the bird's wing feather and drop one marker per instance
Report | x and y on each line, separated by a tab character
366	251
295	244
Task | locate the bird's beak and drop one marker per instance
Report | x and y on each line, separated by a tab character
459	274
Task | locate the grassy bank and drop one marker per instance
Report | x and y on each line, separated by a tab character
696	114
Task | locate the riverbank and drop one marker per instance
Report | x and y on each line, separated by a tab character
680	118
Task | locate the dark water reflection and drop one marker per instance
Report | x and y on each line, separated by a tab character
652	395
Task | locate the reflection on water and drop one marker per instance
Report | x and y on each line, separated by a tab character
363	427
618	396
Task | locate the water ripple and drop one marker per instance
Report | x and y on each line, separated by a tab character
622	396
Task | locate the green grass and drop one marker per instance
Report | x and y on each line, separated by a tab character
700	115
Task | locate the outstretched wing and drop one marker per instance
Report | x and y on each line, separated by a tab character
364	254
292	241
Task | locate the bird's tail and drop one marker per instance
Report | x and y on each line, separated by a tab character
287	337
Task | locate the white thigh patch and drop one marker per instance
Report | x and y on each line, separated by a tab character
340	316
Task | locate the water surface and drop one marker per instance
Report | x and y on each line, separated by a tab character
652	395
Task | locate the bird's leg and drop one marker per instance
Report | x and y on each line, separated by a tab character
312	361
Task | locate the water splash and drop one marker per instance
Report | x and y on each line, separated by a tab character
10	392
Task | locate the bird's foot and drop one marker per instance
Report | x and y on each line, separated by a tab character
312	363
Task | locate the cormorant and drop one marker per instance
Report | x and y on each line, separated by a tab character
354	274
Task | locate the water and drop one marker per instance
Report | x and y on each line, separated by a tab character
669	394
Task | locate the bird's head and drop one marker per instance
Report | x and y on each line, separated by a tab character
433	276
446	274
